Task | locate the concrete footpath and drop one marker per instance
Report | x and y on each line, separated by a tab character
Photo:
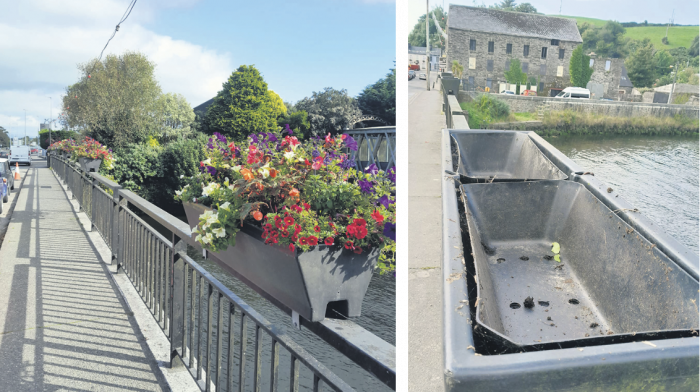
425	124
63	322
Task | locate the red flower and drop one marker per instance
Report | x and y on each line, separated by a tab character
284	232
201	164
312	240
329	241
294	192
295	238
303	241
297	229
306	161
351	230
296	208
360	222
291	247
376	215
317	165
279	224
329	139
361	232
288	221
306	206
317	229
349	245
358	250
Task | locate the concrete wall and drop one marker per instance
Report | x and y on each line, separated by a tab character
458	49
519	104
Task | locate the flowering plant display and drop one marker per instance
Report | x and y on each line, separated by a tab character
66	145
300	195
92	149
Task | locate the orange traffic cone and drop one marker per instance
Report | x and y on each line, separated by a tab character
17	171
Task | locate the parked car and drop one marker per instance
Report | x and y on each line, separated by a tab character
575	92
4	154
422	76
411	74
508	92
7	178
530	93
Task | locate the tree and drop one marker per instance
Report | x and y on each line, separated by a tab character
55	136
457	69
243	106
526	8
298	122
662	62
379	99
605	41
115	100
580	70
515	74
276	105
4	138
511	5
417	36
639	67
329	110
174	117
694	49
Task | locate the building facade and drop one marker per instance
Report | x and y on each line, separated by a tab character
417	55
485	41
606	79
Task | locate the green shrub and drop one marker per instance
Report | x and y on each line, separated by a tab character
137	168
485	110
179	159
577	123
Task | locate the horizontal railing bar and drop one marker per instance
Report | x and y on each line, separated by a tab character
105	181
390	129
280	336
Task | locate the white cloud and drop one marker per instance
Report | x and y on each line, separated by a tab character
42	41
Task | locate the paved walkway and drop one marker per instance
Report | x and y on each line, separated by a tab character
63	323
425	124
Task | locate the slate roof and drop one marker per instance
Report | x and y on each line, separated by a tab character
203	107
489	20
681	88
421	50
624	79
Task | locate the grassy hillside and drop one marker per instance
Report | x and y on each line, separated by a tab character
677	35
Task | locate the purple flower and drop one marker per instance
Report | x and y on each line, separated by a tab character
372	169
287	129
271	137
385	201
366	186
211	146
327	160
211	170
347	163
254	137
220	137
391	174
350	143
390	230
315	153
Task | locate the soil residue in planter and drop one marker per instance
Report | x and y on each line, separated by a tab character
548	257
524	258
500	260
593	325
489	251
529	303
543	303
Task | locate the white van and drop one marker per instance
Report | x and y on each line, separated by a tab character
20	154
575	92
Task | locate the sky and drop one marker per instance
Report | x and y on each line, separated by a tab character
196	45
654	11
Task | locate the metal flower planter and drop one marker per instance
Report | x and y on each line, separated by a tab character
618	313
90	165
497	156
325	281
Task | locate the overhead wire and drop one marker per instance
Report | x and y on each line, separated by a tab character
126	14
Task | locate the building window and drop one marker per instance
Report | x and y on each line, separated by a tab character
561	54
607	65
560	71
471	80
590	63
489	83
509	48
526	50
544	52
525	67
555	42
541	87
472	63
472	44
543	69
489	65
490	46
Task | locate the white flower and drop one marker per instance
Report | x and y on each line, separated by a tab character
265	171
220	232
207	161
289	155
207	190
224	206
179	193
237	168
182	176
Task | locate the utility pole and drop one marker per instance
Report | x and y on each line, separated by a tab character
427	42
673	86
50	121
561	1
670	22
25	126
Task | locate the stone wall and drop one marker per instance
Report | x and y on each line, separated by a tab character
610	78
520	104
458	49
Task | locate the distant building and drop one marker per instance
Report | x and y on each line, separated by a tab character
485	40
606	79
417	55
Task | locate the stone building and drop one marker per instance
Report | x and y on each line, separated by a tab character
416	55
485	40
606	78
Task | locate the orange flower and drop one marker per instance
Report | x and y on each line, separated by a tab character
273	173
294	192
259	186
247	174
257	215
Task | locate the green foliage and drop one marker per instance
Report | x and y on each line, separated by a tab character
583	123
276	104
137	169
329	111
694	48
55	136
417	36
677	35
457	69
174	117
178	160
298	121
515	74
5	137
639	67
243	106
606	41
511	5
484	110
579	68
662	62
379	99
116	104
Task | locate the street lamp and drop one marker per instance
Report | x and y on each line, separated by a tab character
25	126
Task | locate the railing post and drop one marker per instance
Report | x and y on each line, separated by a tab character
117	251
93	184
178	300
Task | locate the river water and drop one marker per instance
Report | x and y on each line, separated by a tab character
657	174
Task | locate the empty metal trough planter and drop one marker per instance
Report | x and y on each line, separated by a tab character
611	284
497	156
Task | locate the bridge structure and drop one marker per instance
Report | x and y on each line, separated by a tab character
98	292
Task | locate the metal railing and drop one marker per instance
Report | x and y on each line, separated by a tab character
216	335
375	145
